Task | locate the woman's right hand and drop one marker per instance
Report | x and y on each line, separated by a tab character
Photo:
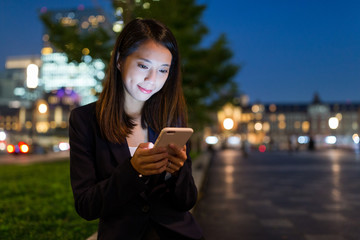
148	160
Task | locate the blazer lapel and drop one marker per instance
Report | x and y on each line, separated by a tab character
152	135
120	152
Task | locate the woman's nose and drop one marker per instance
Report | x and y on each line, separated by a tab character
151	75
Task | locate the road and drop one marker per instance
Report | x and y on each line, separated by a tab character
281	195
6	158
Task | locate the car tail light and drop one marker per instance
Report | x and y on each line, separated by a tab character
24	148
10	148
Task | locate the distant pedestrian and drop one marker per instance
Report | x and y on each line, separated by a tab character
116	174
245	148
311	145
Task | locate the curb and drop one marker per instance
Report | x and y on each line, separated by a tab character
199	170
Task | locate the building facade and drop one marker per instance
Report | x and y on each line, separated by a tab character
83	77
295	126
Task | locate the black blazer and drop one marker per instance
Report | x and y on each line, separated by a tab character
106	186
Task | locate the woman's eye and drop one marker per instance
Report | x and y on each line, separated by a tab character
163	71
142	66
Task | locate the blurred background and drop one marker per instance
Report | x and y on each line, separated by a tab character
280	71
259	77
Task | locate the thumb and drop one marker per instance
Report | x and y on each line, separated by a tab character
147	145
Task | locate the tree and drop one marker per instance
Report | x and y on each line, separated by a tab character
207	71
72	40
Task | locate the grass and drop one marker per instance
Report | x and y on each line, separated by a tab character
36	203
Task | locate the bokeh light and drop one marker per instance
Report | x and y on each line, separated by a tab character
228	123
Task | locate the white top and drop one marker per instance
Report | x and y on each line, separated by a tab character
132	150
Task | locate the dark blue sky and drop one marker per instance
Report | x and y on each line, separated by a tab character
288	50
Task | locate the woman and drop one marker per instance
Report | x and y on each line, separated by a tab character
116	174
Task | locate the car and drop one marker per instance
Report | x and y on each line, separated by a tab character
20	148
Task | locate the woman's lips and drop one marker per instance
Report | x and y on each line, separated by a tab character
146	91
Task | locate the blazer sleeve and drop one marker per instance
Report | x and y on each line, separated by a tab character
96	197
184	191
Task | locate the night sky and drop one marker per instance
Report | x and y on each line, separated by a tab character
288	50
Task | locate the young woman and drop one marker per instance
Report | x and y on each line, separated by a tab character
116	173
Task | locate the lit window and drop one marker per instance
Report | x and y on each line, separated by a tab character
272	108
258	126
255	108
282	125
281	117
305	126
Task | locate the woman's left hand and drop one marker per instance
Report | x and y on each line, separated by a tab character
176	158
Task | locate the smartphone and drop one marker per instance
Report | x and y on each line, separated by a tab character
174	135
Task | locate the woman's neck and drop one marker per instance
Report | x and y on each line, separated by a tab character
133	108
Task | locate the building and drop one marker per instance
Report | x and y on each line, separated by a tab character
83	77
15	79
37	93
295	126
27	112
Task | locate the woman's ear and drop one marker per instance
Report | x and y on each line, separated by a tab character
118	65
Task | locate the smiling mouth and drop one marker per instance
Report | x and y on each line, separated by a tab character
146	91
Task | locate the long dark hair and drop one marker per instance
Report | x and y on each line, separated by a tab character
164	109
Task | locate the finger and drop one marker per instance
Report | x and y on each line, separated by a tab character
177	162
156	165
147	145
170	167
151	151
179	154
148	155
177	150
155	168
169	170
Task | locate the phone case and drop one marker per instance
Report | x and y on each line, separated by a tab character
177	136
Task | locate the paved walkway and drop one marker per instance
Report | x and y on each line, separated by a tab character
276	196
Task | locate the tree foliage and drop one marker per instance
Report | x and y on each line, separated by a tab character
72	40
208	74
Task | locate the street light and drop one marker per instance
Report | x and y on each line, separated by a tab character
32	76
42	124
228	123
42	108
2	140
2	135
258	126
356	138
333	122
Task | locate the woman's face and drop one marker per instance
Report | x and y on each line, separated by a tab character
145	71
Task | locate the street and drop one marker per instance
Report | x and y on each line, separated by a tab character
281	195
32	158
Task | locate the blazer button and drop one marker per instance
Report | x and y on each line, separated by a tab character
145	208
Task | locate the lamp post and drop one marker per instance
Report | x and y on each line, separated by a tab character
32	82
40	121
333	124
